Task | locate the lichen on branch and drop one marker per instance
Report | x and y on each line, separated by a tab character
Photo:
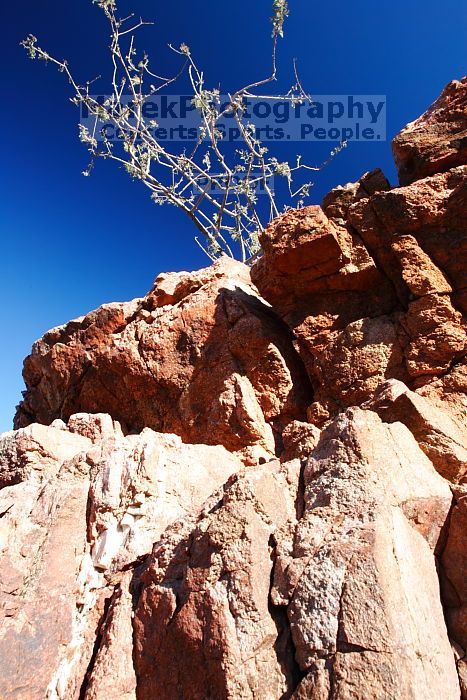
216	183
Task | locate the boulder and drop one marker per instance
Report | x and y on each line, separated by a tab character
202	356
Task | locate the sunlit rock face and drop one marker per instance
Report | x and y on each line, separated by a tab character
84	504
436	141
202	356
251	483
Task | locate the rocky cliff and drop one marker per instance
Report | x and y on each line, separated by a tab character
251	484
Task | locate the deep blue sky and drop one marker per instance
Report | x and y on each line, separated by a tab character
71	243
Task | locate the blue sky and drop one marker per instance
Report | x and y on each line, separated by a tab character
69	243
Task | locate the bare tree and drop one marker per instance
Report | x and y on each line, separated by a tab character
213	183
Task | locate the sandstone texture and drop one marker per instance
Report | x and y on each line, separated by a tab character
251	484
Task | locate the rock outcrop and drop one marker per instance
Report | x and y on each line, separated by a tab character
202	356
251	484
379	295
83	504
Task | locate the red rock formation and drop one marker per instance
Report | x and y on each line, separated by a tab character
437	140
202	356
252	485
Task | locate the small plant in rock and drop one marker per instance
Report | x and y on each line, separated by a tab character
214	182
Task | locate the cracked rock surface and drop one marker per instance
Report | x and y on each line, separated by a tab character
251	483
